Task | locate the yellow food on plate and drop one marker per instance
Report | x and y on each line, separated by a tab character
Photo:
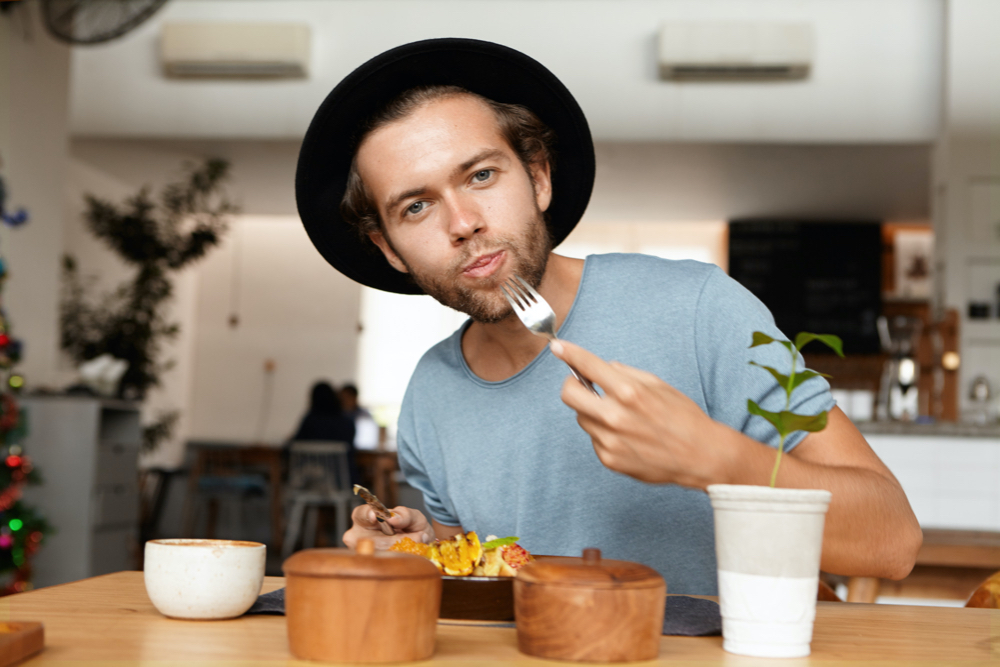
464	555
408	546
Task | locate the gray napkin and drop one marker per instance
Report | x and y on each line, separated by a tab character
269	603
689	617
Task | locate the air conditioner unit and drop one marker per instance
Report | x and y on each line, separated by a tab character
735	51
235	50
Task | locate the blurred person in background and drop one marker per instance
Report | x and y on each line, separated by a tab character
366	434
327	421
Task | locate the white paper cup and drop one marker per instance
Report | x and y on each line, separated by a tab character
203	579
768	544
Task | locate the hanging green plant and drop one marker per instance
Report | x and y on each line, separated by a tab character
156	237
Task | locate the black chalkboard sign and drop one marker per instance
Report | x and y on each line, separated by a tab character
822	277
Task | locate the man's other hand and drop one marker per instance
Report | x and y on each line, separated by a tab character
642	426
405	521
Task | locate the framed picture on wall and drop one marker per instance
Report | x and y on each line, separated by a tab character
914	257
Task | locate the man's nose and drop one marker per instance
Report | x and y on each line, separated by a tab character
464	219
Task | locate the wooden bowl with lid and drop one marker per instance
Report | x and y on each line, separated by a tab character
364	606
589	609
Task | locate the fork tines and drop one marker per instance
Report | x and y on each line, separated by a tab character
518	296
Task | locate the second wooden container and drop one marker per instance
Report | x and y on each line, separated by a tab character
589	610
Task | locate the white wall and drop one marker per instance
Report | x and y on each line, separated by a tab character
877	73
293	309
684	181
34	146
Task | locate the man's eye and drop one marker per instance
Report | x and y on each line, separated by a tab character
483	175
415	208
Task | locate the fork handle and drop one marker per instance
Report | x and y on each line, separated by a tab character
584	381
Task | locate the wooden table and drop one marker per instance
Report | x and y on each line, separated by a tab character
215	458
109	618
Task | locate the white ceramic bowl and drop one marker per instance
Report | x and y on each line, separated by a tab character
203	579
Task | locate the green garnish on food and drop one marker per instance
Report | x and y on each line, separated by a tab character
499	542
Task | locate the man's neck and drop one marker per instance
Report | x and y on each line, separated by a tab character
495	352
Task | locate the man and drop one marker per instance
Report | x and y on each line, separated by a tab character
464	163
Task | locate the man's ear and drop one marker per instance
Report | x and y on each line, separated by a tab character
379	239
541	176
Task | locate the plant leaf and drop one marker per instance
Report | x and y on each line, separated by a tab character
802	376
773	417
786	422
810	423
499	542
782	379
831	341
761	338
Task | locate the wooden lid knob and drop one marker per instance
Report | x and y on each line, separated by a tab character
591	556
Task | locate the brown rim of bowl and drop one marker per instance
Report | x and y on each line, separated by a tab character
197	542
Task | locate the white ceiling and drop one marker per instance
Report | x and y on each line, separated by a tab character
877	74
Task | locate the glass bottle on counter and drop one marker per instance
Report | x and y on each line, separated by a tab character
898	393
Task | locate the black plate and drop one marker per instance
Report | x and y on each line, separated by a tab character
477	598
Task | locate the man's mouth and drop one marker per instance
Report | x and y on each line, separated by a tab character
484	265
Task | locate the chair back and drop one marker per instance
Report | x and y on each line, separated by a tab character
319	467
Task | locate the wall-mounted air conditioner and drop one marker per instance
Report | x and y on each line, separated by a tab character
235	50
735	51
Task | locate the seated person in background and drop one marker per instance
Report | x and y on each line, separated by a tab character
327	421
366	430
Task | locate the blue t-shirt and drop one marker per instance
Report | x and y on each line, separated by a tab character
508	458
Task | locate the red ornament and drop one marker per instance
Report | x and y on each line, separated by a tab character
4	339
13	461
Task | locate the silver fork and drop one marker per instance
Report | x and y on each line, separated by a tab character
536	314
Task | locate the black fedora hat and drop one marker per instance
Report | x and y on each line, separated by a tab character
491	70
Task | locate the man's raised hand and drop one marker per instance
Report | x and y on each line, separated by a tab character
642	426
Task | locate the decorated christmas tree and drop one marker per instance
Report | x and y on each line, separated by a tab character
22	529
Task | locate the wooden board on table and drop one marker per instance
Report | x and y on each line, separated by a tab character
20	640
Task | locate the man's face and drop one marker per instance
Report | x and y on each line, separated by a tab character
459	211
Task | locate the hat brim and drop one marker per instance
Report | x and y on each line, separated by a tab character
491	70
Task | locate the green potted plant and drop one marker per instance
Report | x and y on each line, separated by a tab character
768	540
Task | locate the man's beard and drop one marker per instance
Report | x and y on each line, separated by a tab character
529	255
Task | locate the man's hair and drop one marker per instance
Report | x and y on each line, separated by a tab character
531	140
